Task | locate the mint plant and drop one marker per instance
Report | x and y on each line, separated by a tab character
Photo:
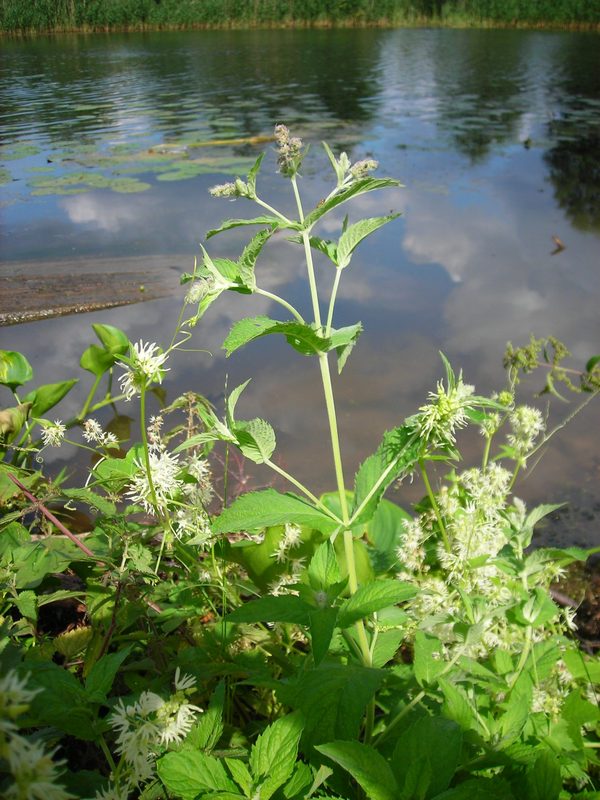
286	644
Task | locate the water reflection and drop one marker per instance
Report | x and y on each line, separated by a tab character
495	135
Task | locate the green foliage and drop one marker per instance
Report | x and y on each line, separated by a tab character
276	645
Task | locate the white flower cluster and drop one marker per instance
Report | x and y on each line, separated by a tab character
53	434
93	433
145	365
151	723
183	487
290	540
527	424
33	772
446	411
235	188
289	151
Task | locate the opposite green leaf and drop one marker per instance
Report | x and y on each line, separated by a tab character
373	597
367	767
261	509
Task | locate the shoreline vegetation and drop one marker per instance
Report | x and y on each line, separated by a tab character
22	17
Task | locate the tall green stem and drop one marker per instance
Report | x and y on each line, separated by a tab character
89	398
434	505
332	299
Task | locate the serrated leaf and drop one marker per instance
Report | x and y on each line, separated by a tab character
301	337
101	676
240	774
189	772
373	597
332	698
247	260
426	665
354	235
272	608
207	731
432	742
322	623
237	223
274	754
253	174
543	779
268	507
15	369
367	767
323	570
354	190
343	341
256	440
397	454
324	246
91	499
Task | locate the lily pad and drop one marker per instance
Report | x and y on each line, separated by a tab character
78	182
5	177
15	151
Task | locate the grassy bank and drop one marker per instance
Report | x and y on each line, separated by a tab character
22	16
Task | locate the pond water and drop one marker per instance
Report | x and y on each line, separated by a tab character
495	135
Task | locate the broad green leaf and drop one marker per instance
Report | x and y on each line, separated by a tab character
368	767
384	531
426	665
343	340
272	608
113	339
188	773
457	706
273	756
208	730
479	789
97	360
434	741
536	610
397	454
297	788
15	370
26	602
256	440
516	715
543	779
247	260
301	337
63	702
354	235
268	507
386	646
332	698
237	223
355	189
12	421
322	245
322	623
323	570
373	597
101	676
46	397
35	560
115	473
240	774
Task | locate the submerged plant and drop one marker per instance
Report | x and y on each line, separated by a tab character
324	645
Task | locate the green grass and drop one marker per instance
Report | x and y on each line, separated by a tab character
53	15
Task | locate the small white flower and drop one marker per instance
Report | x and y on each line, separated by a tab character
183	682
33	770
93	433
146	365
164	467
527	423
362	168
445	413
15	699
292	535
53	434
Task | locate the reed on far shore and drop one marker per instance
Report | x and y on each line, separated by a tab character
28	16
